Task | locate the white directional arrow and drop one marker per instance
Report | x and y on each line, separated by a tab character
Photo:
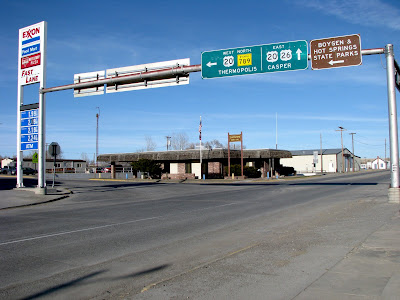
210	64
333	62
298	52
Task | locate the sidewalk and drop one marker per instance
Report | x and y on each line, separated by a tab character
26	196
370	271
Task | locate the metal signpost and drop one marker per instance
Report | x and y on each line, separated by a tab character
278	57
336	52
231	139
54	150
31	69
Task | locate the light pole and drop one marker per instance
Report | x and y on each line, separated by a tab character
168	141
341	129
97	136
352	143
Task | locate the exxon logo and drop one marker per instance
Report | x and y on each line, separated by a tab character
30	33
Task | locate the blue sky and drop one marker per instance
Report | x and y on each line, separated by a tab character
85	36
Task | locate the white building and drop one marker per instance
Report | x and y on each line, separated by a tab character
331	160
375	164
62	165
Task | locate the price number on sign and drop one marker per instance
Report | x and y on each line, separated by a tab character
32	138
33	113
272	56
286	55
244	59
228	61
32	122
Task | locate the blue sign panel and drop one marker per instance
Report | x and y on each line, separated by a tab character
29	146
29	129
37	38
30	50
33	113
29	138
29	122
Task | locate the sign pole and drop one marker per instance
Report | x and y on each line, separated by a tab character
20	182
229	158
394	144
42	118
241	150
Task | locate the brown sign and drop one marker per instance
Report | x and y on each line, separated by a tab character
336	52
235	138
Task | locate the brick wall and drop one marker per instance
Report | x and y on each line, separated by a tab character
214	167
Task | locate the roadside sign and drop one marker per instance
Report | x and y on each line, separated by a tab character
315	157
167	80
54	149
336	52
235	138
277	57
31	47
29	129
35	158
397	75
87	77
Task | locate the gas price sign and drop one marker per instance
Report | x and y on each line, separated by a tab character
29	129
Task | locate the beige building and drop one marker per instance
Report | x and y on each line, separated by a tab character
181	164
327	161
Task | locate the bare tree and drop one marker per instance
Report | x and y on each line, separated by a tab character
29	154
216	144
179	141
85	157
150	144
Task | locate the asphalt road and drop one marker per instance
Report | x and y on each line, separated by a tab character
113	240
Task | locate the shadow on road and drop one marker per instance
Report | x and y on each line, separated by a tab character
79	280
9	183
62	286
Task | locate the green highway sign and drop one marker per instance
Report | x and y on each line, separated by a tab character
278	57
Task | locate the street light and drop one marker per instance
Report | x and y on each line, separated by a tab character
97	136
168	141
341	129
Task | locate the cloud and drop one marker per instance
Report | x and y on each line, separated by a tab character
297	117
364	12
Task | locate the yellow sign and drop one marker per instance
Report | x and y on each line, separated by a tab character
244	60
235	138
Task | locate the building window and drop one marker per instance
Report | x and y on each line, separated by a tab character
188	168
79	165
58	165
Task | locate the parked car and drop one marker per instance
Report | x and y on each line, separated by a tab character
9	170
28	171
106	169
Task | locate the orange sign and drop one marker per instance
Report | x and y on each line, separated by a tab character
235	138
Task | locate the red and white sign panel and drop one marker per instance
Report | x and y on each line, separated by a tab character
30	61
31	52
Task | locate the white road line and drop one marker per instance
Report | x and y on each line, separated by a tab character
102	226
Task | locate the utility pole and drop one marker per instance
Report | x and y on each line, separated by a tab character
97	136
385	156
320	142
276	132
341	129
352	143
168	141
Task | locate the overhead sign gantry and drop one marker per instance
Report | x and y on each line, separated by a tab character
339	51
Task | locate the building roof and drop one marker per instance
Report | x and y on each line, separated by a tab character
324	151
209	154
